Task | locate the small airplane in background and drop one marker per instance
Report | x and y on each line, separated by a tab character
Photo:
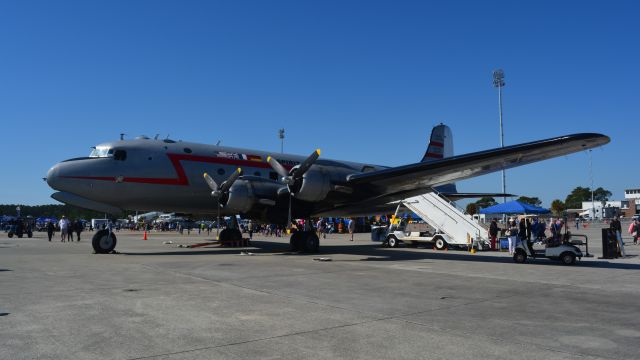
174	176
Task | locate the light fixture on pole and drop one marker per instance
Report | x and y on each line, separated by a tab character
498	81
281	136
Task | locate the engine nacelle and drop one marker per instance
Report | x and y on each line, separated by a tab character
249	191
316	184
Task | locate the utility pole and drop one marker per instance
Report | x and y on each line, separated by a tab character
498	81
281	136
593	207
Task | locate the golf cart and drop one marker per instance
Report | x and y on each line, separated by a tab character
414	233
21	227
560	249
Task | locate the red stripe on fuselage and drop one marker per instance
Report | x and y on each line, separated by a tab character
436	143
182	178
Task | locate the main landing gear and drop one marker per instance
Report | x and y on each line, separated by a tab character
230	234
305	241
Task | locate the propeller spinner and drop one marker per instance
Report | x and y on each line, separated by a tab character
291	178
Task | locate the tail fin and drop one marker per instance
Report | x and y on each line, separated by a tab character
440	144
440	147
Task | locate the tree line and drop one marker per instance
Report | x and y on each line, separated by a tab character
573	201
51	210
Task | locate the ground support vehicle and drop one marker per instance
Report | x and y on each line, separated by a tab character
413	234
563	251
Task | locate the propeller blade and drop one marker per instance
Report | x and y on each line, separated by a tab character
277	167
306	164
212	183
227	184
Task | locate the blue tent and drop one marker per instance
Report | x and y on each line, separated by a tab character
514	207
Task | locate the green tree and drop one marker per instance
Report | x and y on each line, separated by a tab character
582	194
485	202
601	194
577	196
530	200
557	207
472	208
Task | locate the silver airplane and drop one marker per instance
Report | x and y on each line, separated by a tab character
174	176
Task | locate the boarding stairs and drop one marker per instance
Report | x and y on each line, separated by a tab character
444	216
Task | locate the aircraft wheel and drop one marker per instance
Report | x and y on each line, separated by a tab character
10	234
296	241
311	242
568	258
520	256
440	243
393	241
103	242
29	234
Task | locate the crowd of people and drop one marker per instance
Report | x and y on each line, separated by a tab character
66	228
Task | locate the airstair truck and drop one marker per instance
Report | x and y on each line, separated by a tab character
452	226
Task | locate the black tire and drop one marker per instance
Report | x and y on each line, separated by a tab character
311	242
104	242
393	241
29	234
520	256
440	243
568	258
10	234
295	241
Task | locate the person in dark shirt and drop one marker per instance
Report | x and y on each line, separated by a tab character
77	227
493	232
50	229
617	228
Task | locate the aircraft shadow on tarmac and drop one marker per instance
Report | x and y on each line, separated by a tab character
375	252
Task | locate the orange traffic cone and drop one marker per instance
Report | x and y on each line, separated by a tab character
145	235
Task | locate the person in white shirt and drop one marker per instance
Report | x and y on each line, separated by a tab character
64	226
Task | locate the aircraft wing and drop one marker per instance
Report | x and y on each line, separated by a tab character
397	182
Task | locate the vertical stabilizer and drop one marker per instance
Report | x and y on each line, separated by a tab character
440	144
440	147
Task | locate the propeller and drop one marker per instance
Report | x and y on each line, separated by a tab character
219	191
290	178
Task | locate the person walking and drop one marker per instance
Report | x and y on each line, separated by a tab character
617	228
513	235
522	230
63	225
70	226
633	231
250	229
493	233
352	227
50	229
78	227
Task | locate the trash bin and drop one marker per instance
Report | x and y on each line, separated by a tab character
504	243
378	233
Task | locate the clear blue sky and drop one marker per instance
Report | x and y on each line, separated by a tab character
363	81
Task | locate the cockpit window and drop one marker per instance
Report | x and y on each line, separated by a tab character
120	155
101	151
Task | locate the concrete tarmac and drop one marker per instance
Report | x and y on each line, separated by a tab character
160	301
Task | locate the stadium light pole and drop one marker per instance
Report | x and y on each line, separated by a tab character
498	81
281	136
593	207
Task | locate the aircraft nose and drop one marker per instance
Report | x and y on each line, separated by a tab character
53	179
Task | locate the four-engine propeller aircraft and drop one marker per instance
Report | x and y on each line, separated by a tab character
165	175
